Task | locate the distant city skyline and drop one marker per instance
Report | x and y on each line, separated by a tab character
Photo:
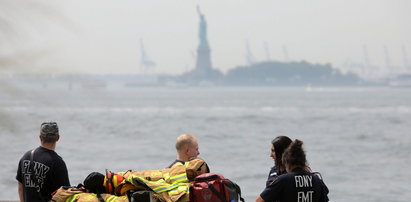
103	37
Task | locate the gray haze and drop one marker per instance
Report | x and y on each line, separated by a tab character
95	36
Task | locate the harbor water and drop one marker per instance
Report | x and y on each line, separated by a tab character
359	139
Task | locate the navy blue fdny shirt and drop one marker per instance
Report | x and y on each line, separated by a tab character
51	172
297	186
272	175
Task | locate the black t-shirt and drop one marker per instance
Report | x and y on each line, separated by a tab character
299	185
272	175
51	173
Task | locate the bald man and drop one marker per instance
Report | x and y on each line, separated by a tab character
187	148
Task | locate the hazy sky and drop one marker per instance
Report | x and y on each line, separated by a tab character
100	36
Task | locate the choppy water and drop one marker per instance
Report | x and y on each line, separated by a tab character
358	138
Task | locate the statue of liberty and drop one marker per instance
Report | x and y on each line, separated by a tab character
202	29
204	68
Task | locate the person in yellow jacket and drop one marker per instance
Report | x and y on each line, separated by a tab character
169	184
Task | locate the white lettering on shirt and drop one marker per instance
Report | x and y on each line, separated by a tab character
303	181
38	169
305	196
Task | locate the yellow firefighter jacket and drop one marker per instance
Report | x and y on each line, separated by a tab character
74	194
170	183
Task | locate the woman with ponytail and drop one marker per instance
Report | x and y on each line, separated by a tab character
297	184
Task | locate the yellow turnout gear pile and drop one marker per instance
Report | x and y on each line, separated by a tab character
92	197
74	194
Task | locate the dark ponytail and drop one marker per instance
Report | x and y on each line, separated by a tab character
294	155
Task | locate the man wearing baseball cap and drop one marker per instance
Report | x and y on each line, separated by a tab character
41	171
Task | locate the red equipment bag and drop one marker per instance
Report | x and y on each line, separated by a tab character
213	187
